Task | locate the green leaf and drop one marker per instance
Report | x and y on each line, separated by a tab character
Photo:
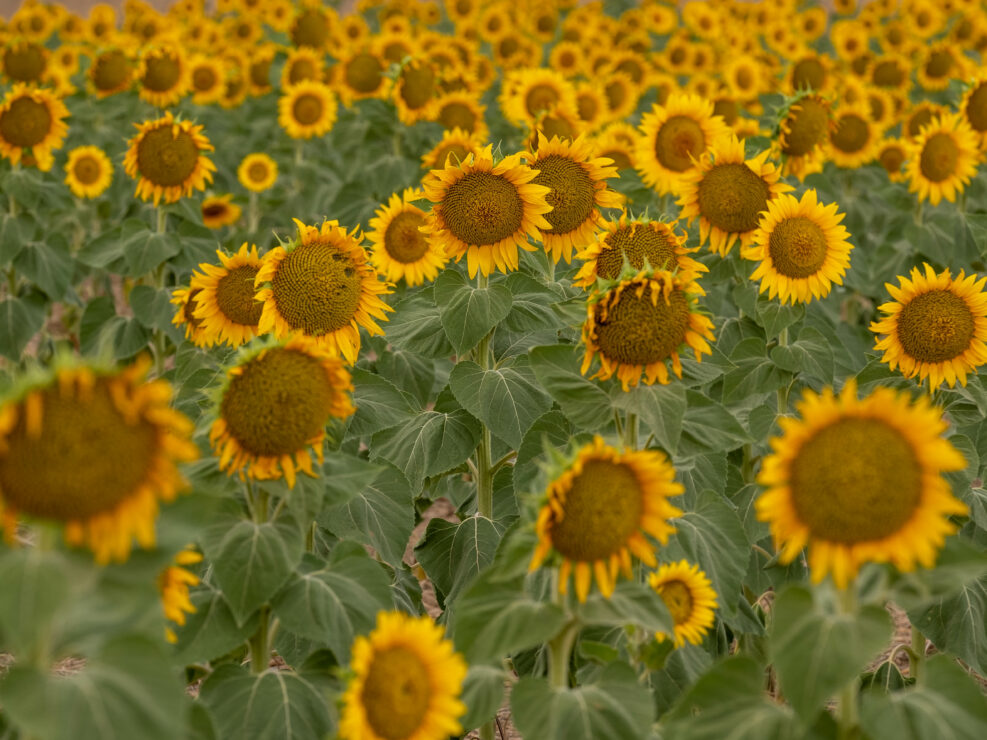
20	320
144	252
709	427
774	316
507	400
276	705
810	355
379	404
152	308
632	602
816	652
553	428
946	704
661	408
616	706
48	264
210	631
331	602
531	306
427	444
252	560
483	692
584	403
468	313
415	326
454	554
958	624
34	585
345	476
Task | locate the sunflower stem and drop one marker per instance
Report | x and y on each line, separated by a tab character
253	214
916	654
846	710
260	651
918	211
12	205
299	147
747	466
630	431
783	391
559	653
162	225
484	468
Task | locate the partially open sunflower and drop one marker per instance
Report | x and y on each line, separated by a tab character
32	121
88	171
400	249
167	159
690	598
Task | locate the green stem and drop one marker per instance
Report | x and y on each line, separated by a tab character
253	214
12	205
918	211
916	655
747	466
260	649
162	225
487	730
484	468
310	538
846	710
630	431
783	391
299	147
559	653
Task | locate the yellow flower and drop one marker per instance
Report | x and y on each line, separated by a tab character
24	61
690	599
400	249
599	512
361	75
185	299
31	122
174	583
460	110
88	172
859	480
974	107
307	109
853	138
414	91
164	76
942	159
456	145
207	77
218	211
225	309
166	157
803	134
257	172
891	155
302	64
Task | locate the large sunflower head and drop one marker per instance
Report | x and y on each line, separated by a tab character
400	248
307	109
935	327
638	244
322	286
274	407
257	172
173	584
600	510
225	308
167	159
853	137
801	248
164	75
406	683
456	145
486	210
673	137
88	171
637	325
690	599
728	193
95	452
859	480
32	121
942	158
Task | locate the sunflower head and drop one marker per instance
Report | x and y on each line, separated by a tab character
690	598
456	145
110	72
173	584
223	306
219	211
892	155
942	158
400	249
24	61
257	172
88	171
853	136
307	109
859	480
599	510
31	123
164	75
167	159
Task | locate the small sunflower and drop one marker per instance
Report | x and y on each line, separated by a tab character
219	211
164	76
174	583
974	107
892	72
111	71
615	144
935	327
942	158
455	147
460	110
225	308
690	599
414	91
88	172
939	64
811	72
313	26
641	245
257	172
577	184
801	248
919	116
892	155
803	133
302	64
95	452
274	406
24	61
639	324
32	122
361	75
307	109
486	210
166	157
673	137
207	75
406	683
400	249
185	299
858	480
322	286
853	138
600	511
528	92
728	194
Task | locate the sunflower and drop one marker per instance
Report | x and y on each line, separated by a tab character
568	59
174	583
460	110
939	64
639	323
891	155
919	116
274	406
307	109
257	172
639	244
673	137
558	122
811	72
414	91
186	300
935	327
322	286
728	194
974	107
528	92
259	70
361	76
164	76
219	211
591	105
302	64
853	138
803	133
94	451
942	158
615	144
31	122
456	145
486	210
166	157
743	76
88	172
405	685
400	250
24	61
314	26
858	480
207	76
599	512
690	599
801	247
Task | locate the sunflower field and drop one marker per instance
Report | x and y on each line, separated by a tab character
426	369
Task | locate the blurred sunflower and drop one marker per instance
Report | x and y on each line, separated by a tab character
257	172
526	93
811	72
591	105
259	69
455	147
940	64
486	210
307	109
618	142
558	122
891	154
274	406
185	299
302	64
24	61
690	598
400	249
460	110
974	107
859	480
31	122
919	116
167	159
88	171
361	75
219	211
405	683
95	452
313	26
163	75
853	138
942	159
600	510
322	286
206	76
173	584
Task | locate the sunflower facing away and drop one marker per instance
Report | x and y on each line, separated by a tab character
935	327
690	599
400	249
167	160
486	210
95	452
88	172
219	211
323	286
801	248
257	172
225	308
942	158
599	512
274	407
31	122
639	324
307	109
858	480
174	583
406	683
728	194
